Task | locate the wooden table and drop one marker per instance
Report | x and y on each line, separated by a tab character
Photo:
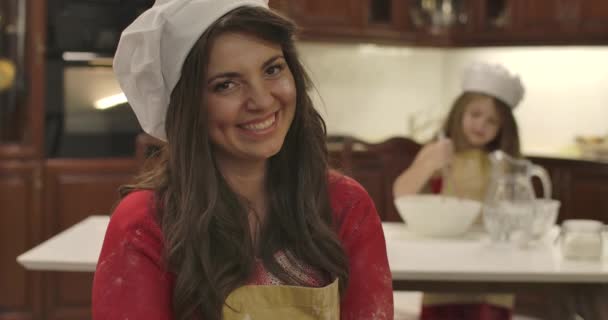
466	264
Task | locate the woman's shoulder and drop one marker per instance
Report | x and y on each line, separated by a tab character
346	193
341	185
136	211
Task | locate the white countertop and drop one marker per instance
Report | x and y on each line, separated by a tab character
411	257
474	258
75	249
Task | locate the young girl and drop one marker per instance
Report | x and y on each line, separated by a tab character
480	121
242	219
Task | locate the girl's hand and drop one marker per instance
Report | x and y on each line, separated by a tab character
432	158
435	156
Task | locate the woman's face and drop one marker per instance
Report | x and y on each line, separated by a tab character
250	96
480	122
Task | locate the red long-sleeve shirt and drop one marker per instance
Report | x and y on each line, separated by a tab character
132	283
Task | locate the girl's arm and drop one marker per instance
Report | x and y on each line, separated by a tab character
431	159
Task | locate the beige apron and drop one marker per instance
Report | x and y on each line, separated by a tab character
270	302
469	177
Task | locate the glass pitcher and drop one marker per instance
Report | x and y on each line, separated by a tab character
509	205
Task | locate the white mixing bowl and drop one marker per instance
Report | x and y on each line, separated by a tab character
435	215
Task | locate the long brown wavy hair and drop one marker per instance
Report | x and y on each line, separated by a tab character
507	138
207	239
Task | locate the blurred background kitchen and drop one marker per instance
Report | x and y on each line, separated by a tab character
382	69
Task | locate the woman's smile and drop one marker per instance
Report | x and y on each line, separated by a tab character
260	128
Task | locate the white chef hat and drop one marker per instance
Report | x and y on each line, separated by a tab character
493	80
151	52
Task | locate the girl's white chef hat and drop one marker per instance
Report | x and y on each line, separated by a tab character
493	80
152	50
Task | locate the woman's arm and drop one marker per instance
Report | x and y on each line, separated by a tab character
432	158
369	293
130	280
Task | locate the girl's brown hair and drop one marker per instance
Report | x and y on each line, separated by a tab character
207	239
507	138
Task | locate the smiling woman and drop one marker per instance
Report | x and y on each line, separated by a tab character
251	98
242	218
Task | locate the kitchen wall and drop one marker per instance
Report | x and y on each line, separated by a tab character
375	92
567	91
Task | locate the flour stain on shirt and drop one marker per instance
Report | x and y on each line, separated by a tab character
380	314
387	278
378	305
101	264
132	260
118	281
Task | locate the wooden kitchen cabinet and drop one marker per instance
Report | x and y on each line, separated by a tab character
37	201
491	22
12	60
348	19
325	18
548	16
74	190
539	22
580	185
560	22
20	226
524	22
22	106
21	181
594	18
485	22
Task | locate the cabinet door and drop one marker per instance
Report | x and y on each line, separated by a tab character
562	21
22	32
321	18
388	19
522	22
581	186
491	22
480	22
20	224
12	69
74	190
548	15
365	20
594	18
588	195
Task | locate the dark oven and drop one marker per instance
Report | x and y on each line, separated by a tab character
86	114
